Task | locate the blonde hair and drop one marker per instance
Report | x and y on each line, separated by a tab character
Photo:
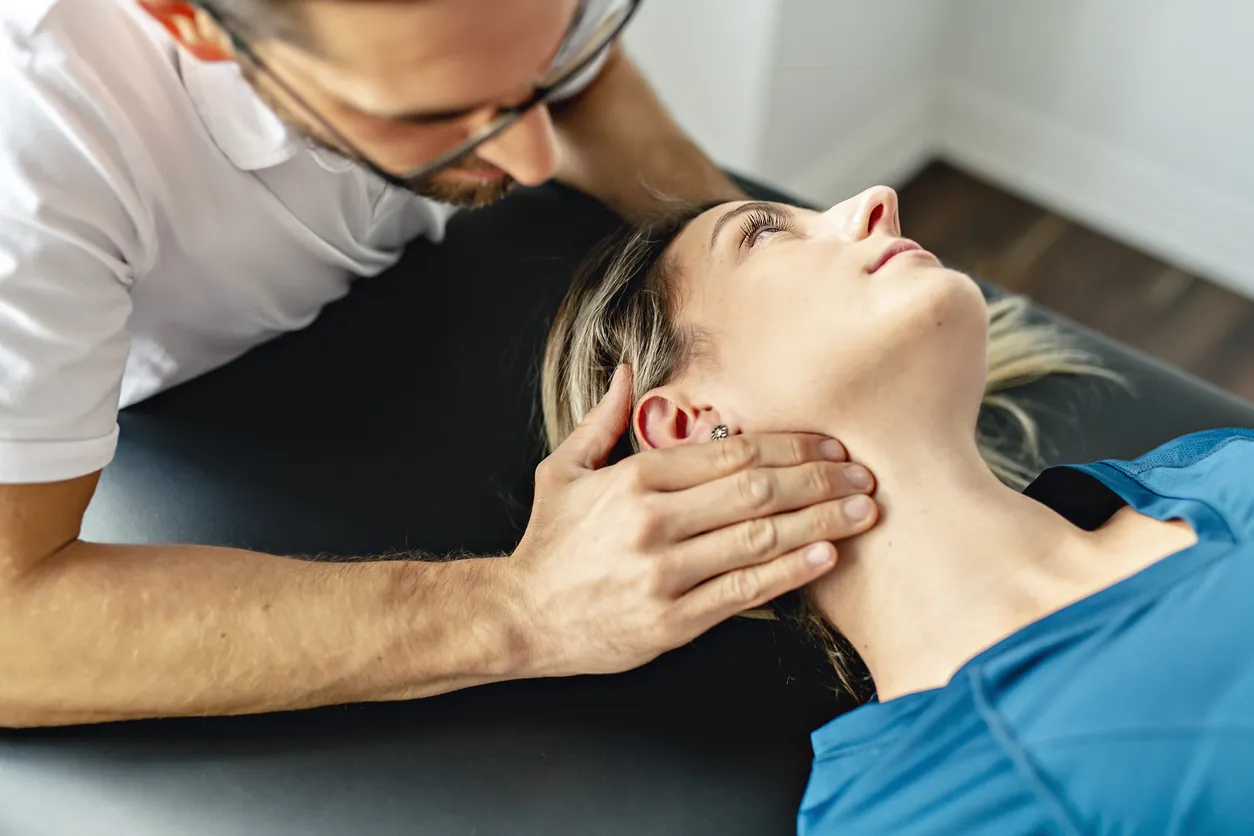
623	308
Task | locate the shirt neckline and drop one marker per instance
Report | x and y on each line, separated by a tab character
871	724
248	132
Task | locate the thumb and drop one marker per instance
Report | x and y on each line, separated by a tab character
590	444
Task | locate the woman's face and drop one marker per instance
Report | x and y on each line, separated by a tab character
812	320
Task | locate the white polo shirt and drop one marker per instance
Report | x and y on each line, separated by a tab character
156	222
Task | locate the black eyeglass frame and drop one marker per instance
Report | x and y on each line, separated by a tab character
502	121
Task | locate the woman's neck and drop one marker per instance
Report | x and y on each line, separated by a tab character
960	561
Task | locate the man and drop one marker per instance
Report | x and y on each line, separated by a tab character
184	182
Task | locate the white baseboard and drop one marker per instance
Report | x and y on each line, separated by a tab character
1199	229
887	149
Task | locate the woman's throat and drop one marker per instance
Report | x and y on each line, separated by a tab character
960	561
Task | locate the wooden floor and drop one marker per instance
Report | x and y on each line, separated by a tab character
1182	319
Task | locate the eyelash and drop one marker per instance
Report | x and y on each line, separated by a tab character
759	221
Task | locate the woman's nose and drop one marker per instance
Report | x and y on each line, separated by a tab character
863	215
527	150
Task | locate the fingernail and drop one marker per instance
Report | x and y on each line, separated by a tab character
832	450
858	508
858	476
820	555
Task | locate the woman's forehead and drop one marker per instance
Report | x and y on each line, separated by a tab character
691	248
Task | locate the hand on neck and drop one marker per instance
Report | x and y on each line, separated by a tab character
958	561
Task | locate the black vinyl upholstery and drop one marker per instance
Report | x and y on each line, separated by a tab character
405	417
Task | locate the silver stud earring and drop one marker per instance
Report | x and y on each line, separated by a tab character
720	432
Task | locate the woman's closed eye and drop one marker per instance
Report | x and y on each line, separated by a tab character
762	224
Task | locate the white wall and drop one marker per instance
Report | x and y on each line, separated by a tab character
802	93
1135	116
709	61
850	99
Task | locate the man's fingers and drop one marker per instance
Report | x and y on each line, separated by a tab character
678	468
734	592
590	444
761	492
756	542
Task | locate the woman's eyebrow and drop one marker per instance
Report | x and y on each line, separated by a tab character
742	209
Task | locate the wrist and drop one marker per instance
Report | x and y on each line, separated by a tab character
538	645
527	649
501	638
460	625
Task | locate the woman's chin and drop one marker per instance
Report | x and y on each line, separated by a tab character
942	310
935	280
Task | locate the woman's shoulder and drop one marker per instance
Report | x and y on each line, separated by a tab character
1205	477
1214	468
1222	449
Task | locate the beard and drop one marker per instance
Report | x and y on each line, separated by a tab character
466	194
442	188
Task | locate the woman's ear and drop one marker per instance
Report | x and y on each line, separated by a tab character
666	418
192	28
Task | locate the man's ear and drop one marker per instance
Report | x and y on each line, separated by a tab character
666	418
192	28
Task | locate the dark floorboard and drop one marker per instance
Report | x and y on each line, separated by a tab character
1180	318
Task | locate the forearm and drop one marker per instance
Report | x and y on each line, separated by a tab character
100	633
623	147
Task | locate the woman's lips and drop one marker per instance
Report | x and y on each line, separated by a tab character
895	249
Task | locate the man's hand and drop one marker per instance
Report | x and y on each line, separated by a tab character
623	563
618	144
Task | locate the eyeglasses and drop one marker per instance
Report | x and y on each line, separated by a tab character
584	43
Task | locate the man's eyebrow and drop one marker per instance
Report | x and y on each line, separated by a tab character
430	117
742	209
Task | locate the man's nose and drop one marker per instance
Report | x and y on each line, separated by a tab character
527	150
860	217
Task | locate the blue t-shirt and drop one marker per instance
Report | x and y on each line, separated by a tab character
1128	712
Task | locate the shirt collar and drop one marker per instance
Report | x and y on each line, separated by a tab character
239	122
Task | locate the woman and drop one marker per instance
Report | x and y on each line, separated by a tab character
1076	658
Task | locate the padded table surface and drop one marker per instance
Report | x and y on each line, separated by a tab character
405	417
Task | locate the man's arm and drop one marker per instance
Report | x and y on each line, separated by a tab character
618	565
619	144
92	632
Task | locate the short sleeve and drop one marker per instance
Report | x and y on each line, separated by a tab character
67	247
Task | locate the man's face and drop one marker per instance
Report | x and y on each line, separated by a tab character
406	80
